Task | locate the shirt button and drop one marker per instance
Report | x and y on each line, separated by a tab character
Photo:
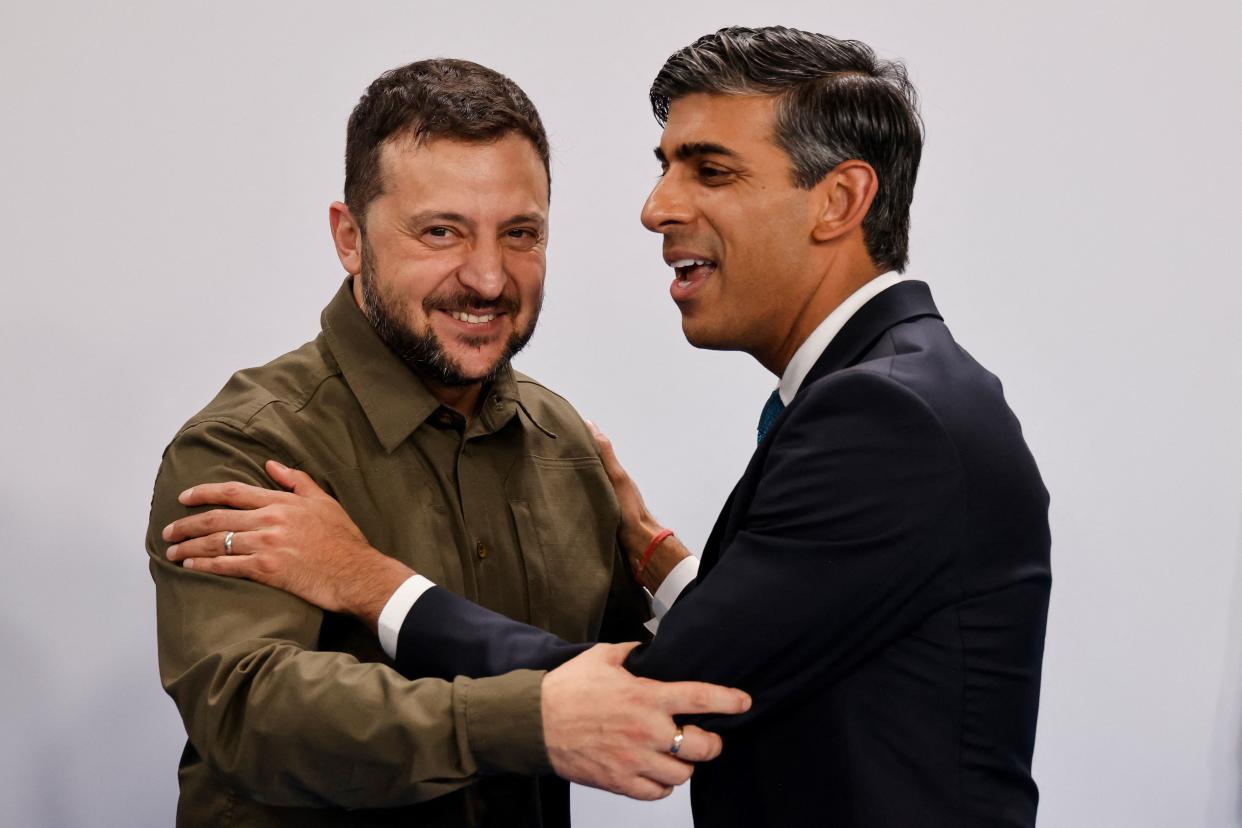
497	402
481	549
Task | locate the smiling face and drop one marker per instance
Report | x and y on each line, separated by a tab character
450	267
737	230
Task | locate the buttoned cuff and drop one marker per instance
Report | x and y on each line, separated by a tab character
504	722
392	616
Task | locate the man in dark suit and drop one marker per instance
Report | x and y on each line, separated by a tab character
878	580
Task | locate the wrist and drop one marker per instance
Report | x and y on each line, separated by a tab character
373	586
659	559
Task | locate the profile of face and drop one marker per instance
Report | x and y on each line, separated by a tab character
738	231
450	267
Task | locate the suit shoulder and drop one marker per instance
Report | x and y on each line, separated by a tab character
868	415
864	387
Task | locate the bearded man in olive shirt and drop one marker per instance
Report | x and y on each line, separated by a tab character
406	411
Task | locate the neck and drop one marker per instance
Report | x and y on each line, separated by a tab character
464	399
834	287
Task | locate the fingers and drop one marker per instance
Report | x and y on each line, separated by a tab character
237	495
298	482
697	745
699	697
596	433
668	770
645	789
234	566
612	466
212	546
217	520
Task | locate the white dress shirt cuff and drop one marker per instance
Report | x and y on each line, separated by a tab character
398	607
674	584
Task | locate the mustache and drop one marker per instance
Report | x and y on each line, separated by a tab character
467	300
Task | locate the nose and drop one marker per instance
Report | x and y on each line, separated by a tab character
483	270
666	206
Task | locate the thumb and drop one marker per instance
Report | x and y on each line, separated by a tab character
298	482
614	654
612	466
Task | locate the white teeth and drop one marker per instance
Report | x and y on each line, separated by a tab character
460	316
689	262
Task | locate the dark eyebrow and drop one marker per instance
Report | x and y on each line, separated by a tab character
523	218
685	152
436	215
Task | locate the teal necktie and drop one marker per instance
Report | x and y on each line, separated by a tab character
771	410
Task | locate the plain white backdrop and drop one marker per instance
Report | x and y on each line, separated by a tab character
165	171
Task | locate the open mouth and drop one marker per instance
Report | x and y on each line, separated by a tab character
472	318
691	271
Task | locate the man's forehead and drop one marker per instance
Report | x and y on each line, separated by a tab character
716	123
451	169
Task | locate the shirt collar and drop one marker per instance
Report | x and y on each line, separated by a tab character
813	346
395	400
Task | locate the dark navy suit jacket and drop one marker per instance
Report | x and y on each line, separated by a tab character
878	581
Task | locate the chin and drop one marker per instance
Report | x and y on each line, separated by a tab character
705	336
475	369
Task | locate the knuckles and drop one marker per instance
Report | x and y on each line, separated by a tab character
266	564
278	514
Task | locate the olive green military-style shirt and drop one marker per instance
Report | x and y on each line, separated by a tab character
295	716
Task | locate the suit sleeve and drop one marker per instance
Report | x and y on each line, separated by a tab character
844	547
289	724
444	635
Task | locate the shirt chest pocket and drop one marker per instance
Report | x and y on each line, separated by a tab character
566	517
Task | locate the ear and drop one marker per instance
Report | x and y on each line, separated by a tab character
347	236
844	197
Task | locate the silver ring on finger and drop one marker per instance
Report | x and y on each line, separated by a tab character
677	740
228	543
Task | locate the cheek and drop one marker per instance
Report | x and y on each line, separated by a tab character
419	277
526	272
776	237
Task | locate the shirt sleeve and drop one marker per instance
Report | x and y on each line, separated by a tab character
674	585
290	724
397	608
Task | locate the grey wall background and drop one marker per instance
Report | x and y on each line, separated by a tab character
166	174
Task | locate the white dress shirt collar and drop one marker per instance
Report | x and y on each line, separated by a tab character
813	348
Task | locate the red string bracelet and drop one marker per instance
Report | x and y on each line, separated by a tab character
651	548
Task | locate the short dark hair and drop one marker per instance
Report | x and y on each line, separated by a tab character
430	99
837	101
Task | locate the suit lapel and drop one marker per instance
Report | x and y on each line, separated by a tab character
903	302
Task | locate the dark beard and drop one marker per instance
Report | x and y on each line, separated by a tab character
423	351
